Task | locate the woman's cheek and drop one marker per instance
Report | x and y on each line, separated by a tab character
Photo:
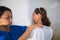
5	22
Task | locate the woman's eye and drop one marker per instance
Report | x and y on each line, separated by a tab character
7	17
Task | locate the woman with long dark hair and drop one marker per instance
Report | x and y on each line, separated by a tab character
41	29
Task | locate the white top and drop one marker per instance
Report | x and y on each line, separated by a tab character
45	33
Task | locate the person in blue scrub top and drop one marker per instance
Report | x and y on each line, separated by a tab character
8	31
12	32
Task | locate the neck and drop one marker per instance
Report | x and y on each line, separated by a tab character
39	25
4	28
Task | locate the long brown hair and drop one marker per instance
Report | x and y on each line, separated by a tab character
44	19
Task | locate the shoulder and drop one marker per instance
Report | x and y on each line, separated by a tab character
16	31
49	29
17	27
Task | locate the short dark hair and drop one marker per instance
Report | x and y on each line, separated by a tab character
44	19
3	9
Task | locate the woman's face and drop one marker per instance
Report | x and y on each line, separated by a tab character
36	18
6	18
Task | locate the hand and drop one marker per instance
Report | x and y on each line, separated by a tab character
34	26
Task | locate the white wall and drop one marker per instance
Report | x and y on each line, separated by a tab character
23	9
19	9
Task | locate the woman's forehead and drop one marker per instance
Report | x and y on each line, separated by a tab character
7	13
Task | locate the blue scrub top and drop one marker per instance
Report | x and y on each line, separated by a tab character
14	34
